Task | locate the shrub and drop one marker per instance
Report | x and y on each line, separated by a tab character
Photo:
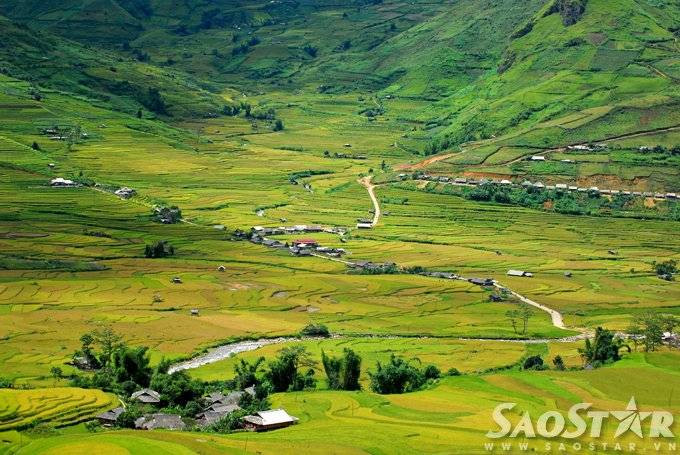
453	372
432	372
159	249
559	363
535	362
315	330
397	376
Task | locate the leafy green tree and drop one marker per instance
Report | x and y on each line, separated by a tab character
131	364
397	376
284	374
534	362
652	330
246	373
342	372
520	315
177	389
559	363
604	348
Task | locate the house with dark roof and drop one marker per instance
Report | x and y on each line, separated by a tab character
160	421
109	418
146	396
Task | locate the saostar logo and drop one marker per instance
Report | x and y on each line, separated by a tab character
553	424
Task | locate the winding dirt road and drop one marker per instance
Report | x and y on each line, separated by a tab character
370	187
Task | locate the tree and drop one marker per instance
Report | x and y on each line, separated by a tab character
131	364
73	137
534	362
109	342
522	314
284	374
666	269
246	373
176	389
311	50
56	373
652	330
342	372
604	348
315	330
278	125
35	146
159	249
397	376
139	113
559	363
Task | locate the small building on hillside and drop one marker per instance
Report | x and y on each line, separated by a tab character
160	421
561	186
506	182
109	418
305	243
537	158
481	281
146	396
125	192
520	273
61	182
364	225
269	420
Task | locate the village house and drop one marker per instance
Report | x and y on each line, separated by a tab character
537	158
269	420
160	421
539	185
506	182
305	243
147	396
125	192
481	281
521	273
460	180
364	225
194	312
109	418
561	186
61	182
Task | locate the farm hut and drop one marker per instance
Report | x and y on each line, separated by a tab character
537	158
506	182
594	189
481	281
51	165
221	268
176	280
160	421
573	188
269	420
364	225
568	274
460	180
109	418
314	228
495	298
125	192
146	396
539	185
671	196
637	193
61	182
223	408
527	184
520	273
194	311
348	145
561	186
659	196
305	243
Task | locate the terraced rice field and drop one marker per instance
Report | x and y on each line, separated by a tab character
59	406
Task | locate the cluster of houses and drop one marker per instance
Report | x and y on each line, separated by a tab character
217	406
464	181
377	267
298	247
57	134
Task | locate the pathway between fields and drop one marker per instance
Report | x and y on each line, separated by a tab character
370	187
